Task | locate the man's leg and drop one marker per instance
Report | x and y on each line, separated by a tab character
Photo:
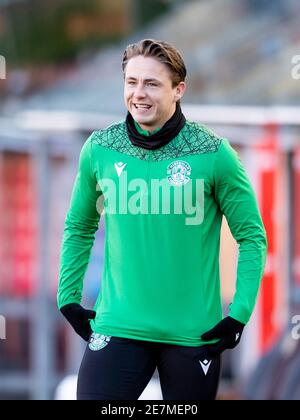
188	373
115	369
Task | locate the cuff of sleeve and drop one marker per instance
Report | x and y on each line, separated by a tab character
67	302
239	314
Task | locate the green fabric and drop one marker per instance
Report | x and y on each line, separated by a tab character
145	132
160	280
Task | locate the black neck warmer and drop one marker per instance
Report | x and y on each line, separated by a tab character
154	141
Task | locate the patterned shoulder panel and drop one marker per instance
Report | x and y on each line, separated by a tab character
115	137
193	139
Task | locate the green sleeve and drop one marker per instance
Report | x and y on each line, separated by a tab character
81	223
237	202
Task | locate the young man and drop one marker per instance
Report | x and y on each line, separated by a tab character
165	184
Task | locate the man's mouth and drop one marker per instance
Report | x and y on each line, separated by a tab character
142	106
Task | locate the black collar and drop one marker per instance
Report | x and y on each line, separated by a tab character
154	141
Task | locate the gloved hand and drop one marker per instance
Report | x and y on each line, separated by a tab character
229	331
79	318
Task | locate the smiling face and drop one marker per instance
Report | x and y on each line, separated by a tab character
149	94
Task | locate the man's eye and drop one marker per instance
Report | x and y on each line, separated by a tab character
152	84
131	82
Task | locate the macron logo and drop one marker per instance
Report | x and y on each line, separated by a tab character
205	365
119	167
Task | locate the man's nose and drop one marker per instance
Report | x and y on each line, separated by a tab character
139	91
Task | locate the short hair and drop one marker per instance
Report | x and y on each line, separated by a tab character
161	51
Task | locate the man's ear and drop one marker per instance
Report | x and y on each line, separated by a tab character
179	91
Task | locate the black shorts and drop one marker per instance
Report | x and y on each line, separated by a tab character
115	368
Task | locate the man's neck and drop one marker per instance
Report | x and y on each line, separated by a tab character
146	131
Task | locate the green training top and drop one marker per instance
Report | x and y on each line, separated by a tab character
163	211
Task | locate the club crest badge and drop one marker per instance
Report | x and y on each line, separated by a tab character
98	341
178	172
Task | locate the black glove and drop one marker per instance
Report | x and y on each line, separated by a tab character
229	331
79	318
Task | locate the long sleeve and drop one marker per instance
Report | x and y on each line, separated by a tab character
81	223
237	201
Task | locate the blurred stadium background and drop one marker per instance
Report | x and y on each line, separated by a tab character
60	79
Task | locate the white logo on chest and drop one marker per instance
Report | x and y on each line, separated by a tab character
119	167
178	172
